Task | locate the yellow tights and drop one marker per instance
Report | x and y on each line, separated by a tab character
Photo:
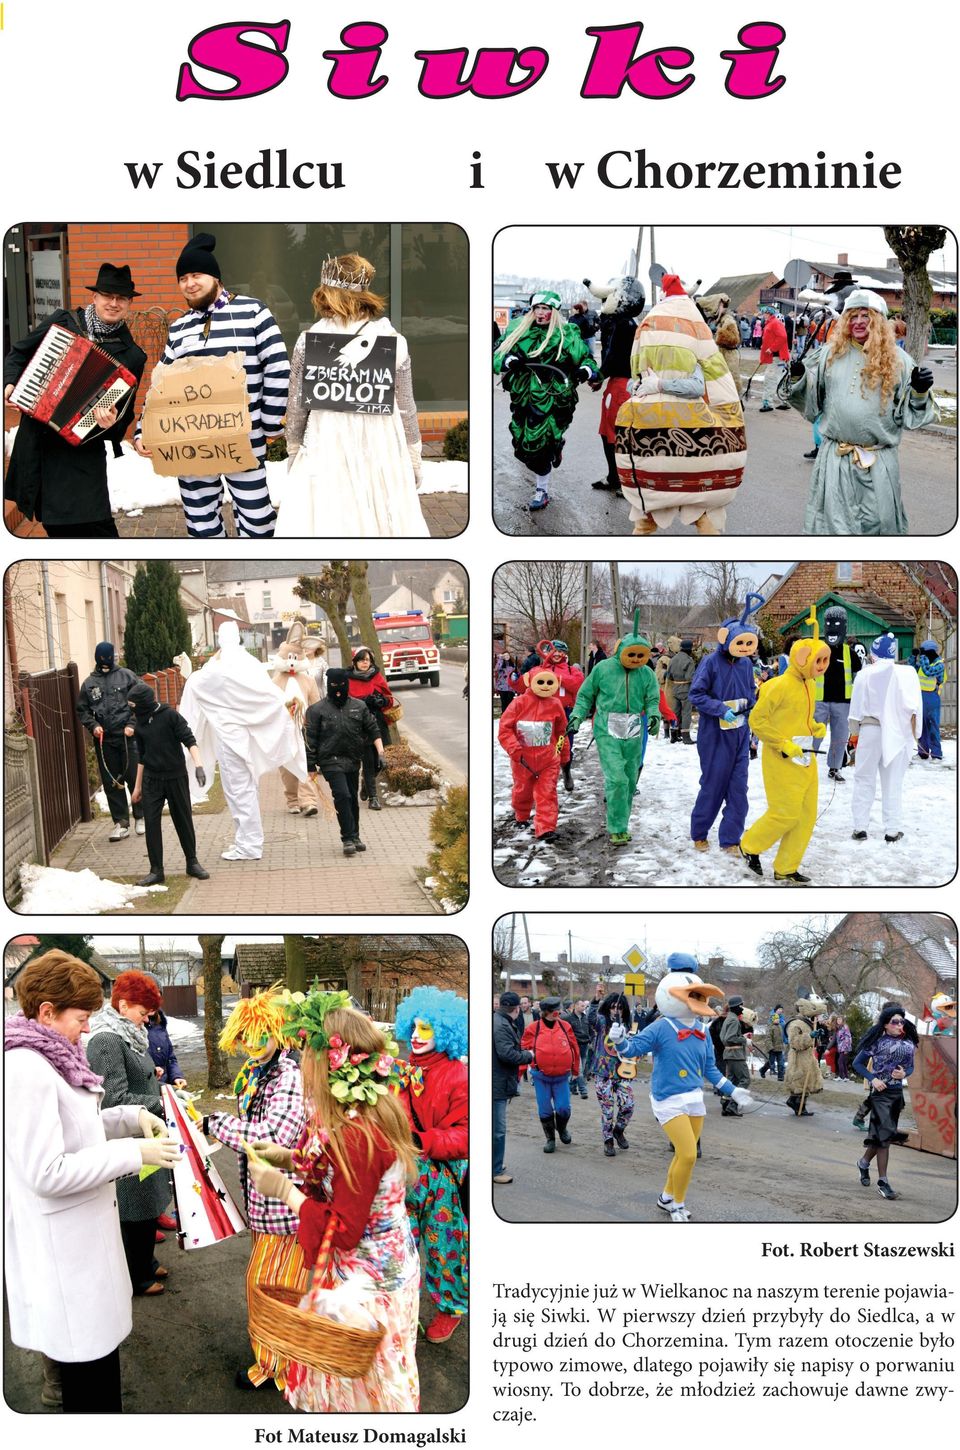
684	1134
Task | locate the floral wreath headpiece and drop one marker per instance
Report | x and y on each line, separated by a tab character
355	1077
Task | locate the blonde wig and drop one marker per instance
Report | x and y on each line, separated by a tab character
353	299
385	1117
253	1020
882	358
554	330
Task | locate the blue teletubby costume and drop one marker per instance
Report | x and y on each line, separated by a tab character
723	690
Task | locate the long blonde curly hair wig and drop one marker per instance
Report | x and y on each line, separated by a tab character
882	366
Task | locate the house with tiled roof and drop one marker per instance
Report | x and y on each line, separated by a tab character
921	944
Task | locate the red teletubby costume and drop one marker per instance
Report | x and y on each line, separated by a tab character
533	732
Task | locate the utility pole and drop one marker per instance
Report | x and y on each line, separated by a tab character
143	953
586	626
508	985
526	934
617	599
570	963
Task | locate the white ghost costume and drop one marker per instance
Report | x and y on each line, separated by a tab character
352	475
241	722
887	705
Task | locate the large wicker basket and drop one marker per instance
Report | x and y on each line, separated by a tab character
277	1321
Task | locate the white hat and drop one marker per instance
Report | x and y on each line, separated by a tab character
863	297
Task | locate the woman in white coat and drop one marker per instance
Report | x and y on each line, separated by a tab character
355	458
68	1289
886	711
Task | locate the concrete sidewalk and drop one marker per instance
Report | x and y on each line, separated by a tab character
302	868
445	513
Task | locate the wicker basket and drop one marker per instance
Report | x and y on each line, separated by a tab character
277	1321
392	713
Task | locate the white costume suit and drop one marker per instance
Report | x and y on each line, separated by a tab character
240	721
890	693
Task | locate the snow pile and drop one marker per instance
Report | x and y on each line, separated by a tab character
662	853
48	890
134	486
444	475
182	1031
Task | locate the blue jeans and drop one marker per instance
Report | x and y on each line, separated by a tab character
579	1084
499	1134
553	1094
930	738
774	1063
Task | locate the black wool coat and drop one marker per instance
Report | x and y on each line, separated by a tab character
49	479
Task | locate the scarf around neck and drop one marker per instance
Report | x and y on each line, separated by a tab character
65	1057
108	1019
97	329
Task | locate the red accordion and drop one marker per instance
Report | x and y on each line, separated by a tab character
67	377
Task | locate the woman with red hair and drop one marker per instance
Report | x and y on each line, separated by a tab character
119	1050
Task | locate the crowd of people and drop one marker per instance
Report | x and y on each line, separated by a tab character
671	420
353	1173
325	730
562	1045
878	713
351	474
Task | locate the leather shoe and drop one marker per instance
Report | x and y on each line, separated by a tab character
153	878
196	870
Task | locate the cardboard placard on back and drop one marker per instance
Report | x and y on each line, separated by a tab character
196	418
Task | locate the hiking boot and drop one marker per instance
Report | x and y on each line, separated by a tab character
609	1150
349	848
752	861
120	832
442	1327
621	1140
194	869
701	845
51	1392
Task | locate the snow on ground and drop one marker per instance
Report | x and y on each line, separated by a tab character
183	1031
134	486
48	890
662	854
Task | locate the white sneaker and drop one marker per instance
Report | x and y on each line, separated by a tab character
665	1203
233	854
293	810
678	1214
119	833
140	827
309	811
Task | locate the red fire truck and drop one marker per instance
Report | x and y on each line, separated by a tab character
408	648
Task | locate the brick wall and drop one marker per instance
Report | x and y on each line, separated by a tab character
812	579
860	929
149	249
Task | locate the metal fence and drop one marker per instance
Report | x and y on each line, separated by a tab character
49	708
22	830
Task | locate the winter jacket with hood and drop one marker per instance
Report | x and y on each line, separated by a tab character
161	1049
508	1056
103	700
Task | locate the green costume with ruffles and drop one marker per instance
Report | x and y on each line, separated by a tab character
543	396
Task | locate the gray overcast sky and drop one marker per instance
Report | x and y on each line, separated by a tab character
734	933
705	252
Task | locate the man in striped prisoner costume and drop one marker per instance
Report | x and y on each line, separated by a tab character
216	323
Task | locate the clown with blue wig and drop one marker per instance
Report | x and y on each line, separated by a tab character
433	1091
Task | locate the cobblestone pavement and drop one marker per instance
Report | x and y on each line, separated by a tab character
302	868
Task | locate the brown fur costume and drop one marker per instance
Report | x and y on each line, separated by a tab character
803	1071
292	677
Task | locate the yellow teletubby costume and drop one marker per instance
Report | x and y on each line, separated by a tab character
783	712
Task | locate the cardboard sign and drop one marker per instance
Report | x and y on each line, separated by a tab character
356	375
196	419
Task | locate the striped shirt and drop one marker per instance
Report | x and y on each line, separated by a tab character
239	324
276	1114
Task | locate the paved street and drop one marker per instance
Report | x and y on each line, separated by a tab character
445	513
435	720
302	868
771	499
767	1167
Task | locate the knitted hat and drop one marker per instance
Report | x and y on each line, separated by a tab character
863	297
197	256
884	647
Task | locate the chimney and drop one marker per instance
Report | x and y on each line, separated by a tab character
605	961
562	958
843	259
534	956
893	264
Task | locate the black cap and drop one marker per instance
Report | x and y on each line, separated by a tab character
509	1000
550	1004
197	256
115	280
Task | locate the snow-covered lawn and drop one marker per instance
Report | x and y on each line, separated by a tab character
51	890
662	854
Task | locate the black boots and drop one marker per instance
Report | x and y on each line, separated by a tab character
153	878
567	774
611	483
196	870
793	1102
549	1127
621	1140
608	1148
562	1119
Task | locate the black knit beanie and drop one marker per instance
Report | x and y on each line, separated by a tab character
197	256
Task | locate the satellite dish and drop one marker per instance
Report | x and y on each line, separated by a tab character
797	274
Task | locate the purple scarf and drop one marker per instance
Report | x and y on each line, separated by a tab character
66	1058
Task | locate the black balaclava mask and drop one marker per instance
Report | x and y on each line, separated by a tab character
143	700
105	657
338	686
835	626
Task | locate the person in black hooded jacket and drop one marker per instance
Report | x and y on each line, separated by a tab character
337	731
103	710
63	485
162	735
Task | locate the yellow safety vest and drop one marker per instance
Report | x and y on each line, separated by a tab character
847	677
929	684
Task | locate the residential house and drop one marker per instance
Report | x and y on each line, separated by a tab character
923	944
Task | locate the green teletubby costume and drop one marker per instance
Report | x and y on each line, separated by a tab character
627	700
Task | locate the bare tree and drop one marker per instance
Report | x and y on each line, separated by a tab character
363	608
543	595
217	1071
331	591
912	247
723	586
840	970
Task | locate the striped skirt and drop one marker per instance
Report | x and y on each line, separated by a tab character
274	1259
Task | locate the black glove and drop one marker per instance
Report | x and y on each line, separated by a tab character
797	369
376	700
921	380
509	361
201	775
381	763
573	726
585	374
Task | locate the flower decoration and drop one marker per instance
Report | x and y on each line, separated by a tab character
356	1078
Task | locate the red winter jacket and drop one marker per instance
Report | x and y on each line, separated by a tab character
774	341
555	1050
360	689
438	1116
533	709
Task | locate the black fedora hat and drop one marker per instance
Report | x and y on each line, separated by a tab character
840	279
115	280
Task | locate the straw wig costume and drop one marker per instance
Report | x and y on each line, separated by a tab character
434	1095
269	1092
